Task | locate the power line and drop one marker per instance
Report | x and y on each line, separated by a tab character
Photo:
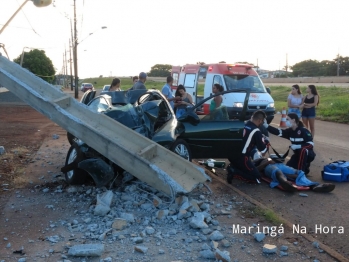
29	22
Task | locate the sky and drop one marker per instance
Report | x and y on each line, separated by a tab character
142	33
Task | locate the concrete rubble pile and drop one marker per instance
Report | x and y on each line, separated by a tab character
140	217
138	223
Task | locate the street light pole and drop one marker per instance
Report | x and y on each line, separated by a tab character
22	56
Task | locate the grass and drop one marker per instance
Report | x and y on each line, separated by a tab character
255	211
334	101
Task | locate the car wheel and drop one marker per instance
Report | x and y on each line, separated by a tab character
72	139
181	148
76	176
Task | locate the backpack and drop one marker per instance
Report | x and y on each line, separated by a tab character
336	171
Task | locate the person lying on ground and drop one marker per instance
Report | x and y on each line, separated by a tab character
283	175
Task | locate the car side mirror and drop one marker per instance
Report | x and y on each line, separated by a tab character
268	90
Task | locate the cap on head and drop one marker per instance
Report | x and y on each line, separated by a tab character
142	75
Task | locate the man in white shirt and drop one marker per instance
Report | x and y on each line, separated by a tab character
167	92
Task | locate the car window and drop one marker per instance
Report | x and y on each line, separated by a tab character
219	114
98	104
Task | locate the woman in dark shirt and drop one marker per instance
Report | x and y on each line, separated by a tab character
310	101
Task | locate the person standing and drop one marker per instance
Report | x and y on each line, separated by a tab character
252	138
295	101
301	142
140	83
310	101
217	100
167	92
134	79
115	85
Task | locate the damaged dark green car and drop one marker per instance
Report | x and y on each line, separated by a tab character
149	113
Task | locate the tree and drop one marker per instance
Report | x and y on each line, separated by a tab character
328	68
38	63
306	68
161	70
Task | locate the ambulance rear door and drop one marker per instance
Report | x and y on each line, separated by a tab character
176	70
189	78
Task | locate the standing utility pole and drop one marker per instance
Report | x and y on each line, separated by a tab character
63	71
75	52
338	64
66	68
71	69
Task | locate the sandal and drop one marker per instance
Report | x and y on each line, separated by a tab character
324	188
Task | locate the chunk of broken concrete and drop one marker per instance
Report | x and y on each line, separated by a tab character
103	203
223	256
207	253
119	224
141	249
128	217
216	236
197	221
157	201
161	214
269	249
259	236
86	250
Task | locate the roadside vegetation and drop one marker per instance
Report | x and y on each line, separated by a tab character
334	101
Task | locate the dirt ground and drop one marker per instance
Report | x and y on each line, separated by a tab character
22	132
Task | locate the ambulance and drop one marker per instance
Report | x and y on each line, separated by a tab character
230	76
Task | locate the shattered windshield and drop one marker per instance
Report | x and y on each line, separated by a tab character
244	81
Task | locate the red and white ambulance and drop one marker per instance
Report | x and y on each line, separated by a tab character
230	76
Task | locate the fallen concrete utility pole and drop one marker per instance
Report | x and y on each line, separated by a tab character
140	156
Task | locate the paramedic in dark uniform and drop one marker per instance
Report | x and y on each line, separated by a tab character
252	138
301	142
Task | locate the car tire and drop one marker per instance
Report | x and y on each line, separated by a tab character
181	148
71	138
75	176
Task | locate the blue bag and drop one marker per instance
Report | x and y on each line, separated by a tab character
336	171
